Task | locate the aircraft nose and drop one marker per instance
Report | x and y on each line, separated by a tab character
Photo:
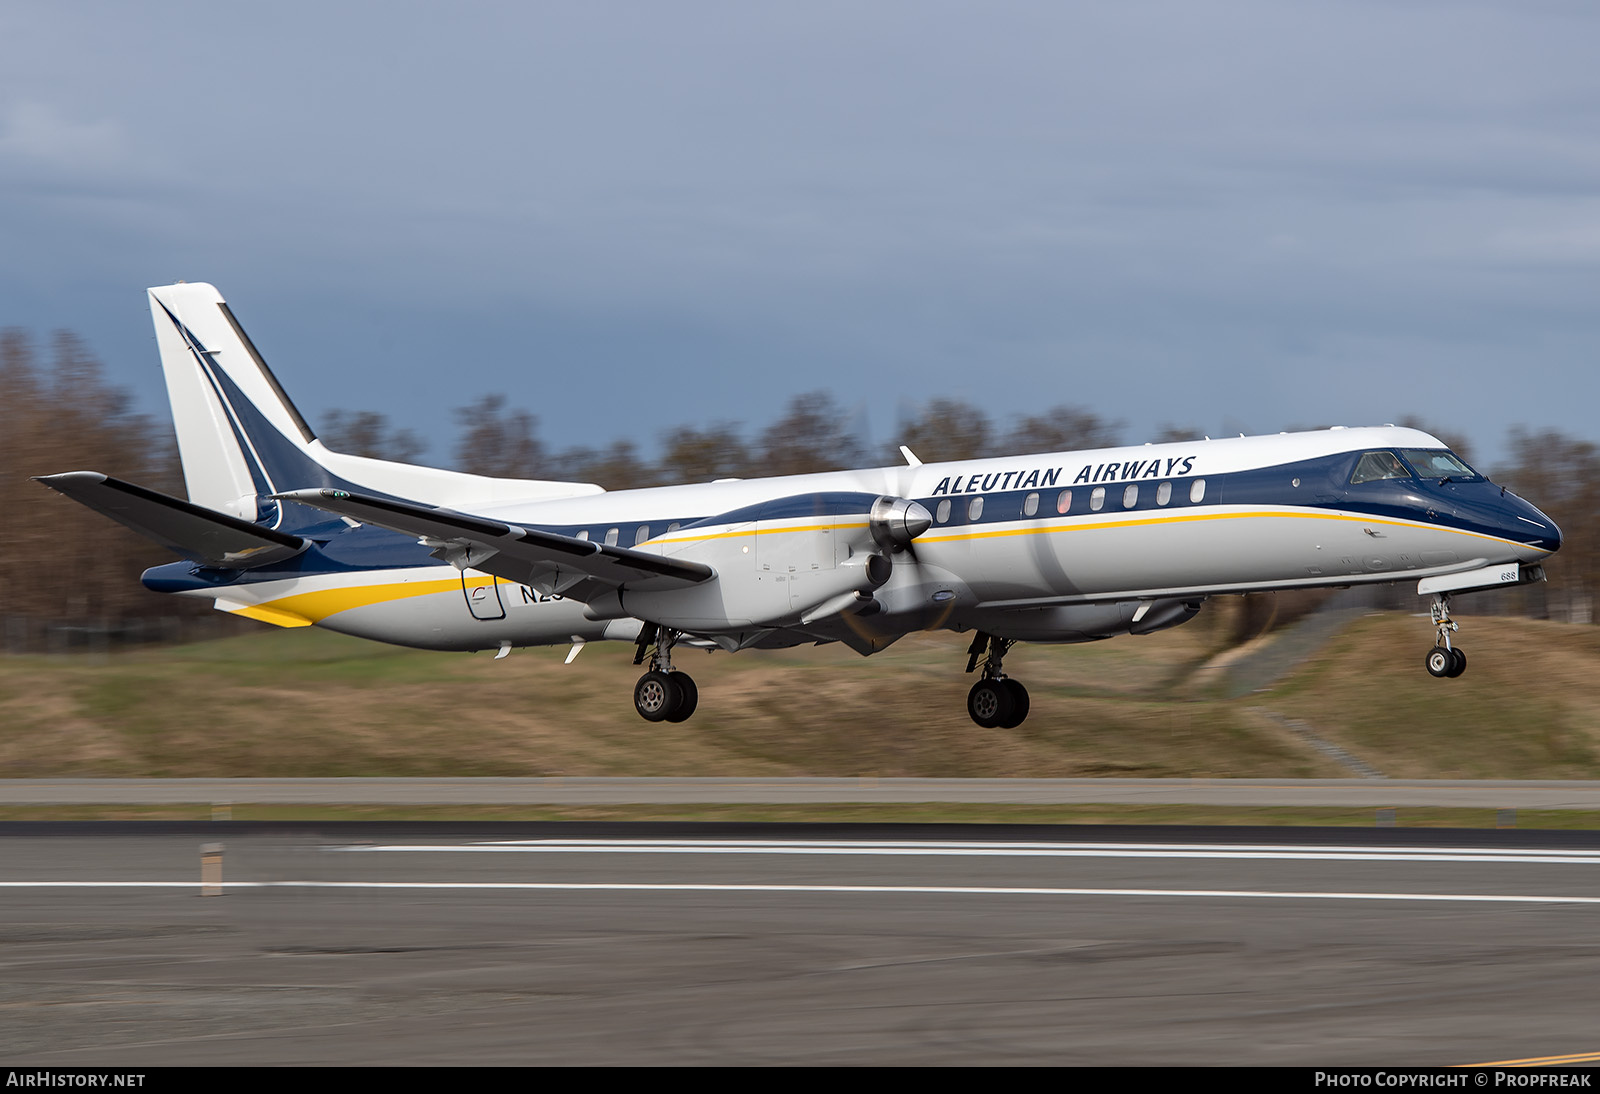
1553	540
1532	527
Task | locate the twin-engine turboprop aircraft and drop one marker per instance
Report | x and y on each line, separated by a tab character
1064	547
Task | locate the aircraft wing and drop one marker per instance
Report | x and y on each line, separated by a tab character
182	527
579	568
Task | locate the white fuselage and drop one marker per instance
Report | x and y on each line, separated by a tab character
1061	546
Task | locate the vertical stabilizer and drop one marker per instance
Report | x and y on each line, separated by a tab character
242	440
239	436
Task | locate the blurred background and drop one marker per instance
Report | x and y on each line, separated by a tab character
69	577
634	244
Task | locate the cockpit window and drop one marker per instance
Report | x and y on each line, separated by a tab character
1379	465
1437	463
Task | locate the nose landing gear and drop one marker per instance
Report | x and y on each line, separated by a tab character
996	700
1444	659
663	694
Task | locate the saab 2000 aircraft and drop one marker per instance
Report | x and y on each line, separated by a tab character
1065	547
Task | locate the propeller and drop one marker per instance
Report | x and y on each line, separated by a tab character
896	522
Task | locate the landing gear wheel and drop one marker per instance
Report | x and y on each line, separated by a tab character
688	697
656	696
1019	703
1444	659
990	703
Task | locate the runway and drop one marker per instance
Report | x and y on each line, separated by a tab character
784	944
1305	793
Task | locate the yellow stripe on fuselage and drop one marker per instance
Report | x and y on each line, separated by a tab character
303	609
1080	524
1186	518
275	616
750	532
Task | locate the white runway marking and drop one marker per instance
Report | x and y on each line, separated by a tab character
948	890
999	850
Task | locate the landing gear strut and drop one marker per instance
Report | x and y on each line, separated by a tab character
1444	659
996	700
663	694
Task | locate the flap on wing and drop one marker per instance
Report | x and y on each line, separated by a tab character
182	527
521	554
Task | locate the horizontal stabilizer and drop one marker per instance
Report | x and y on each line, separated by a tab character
182	527
577	567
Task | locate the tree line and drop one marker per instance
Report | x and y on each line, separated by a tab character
60	563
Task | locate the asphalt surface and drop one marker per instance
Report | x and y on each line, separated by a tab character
348	943
1349	793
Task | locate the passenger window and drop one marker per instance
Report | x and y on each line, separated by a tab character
1064	501
1130	497
1163	493
942	514
1097	500
674	526
641	535
975	509
1378	465
611	537
1030	505
1197	490
584	534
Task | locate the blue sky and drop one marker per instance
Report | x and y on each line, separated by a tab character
1239	216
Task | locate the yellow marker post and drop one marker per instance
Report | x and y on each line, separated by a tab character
211	869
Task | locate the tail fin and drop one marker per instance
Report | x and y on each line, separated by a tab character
241	439
239	436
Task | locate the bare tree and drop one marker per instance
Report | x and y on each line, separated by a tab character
947	429
814	435
67	418
1561	475
368	433
615	467
1063	429
499	442
701	455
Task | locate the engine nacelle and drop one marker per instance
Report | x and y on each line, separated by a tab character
1161	614
797	558
760	600
1083	622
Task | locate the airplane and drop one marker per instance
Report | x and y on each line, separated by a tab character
1058	548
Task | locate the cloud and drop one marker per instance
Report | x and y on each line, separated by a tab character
37	137
1013	202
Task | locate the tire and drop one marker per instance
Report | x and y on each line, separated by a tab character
656	696
688	697
1019	704
990	703
1459	657
1439	662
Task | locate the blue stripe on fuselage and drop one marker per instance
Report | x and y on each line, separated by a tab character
1477	506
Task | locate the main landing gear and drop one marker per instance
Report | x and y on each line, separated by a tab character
1444	659
663	694
996	700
